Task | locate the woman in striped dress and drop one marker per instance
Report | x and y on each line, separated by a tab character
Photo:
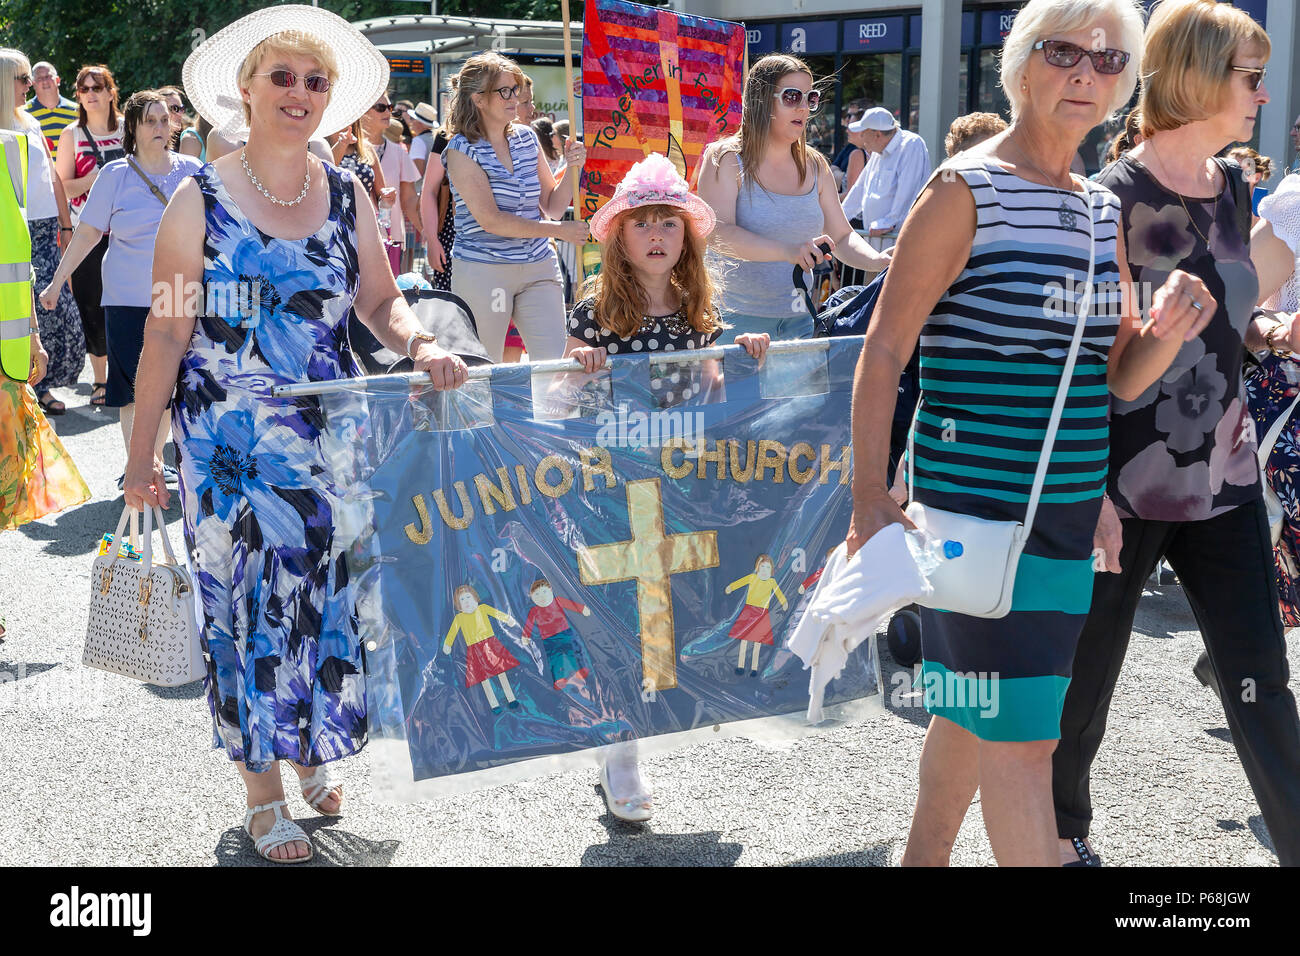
505	266
988	273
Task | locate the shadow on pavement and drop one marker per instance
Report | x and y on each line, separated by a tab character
877	855
191	691
78	531
21	670
79	419
1258	828
333	847
1163	612
635	844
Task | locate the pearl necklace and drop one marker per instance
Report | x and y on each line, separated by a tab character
257	183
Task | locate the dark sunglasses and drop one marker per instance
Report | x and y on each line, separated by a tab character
1256	74
1062	54
176	109
382	107
794	97
24	78
91	89
287	79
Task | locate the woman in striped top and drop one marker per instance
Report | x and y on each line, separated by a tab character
988	273
505	265
86	147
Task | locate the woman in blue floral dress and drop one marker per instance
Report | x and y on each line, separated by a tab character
279	276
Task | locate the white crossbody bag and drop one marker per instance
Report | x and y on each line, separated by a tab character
142	621
980	582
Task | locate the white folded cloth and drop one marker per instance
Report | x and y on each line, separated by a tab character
852	597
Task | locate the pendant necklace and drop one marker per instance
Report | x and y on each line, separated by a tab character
1213	213
1067	216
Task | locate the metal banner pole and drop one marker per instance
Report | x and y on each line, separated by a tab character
480	372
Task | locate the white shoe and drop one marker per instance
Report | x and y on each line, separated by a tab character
634	809
284	832
317	787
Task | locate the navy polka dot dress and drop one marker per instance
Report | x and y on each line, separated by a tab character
670	383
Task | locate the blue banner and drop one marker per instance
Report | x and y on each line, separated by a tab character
877	35
760	38
810	36
551	562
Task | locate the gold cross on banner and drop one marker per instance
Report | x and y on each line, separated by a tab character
650	557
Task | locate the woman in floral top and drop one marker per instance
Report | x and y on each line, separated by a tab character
1183	471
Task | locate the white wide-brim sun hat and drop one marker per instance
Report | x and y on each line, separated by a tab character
210	74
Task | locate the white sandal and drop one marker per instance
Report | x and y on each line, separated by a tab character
283	833
635	809
317	787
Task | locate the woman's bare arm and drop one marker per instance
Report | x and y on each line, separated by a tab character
472	183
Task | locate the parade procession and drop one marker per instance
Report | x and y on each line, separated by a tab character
781	477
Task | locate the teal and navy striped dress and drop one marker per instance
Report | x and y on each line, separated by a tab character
991	359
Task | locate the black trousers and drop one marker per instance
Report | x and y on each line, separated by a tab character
1225	565
88	288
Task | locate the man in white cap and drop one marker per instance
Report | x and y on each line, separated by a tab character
896	170
422	120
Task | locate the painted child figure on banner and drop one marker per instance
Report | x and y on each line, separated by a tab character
754	623
485	656
564	651
810	582
652	294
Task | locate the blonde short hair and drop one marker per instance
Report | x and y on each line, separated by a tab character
1041	18
1189	49
286	43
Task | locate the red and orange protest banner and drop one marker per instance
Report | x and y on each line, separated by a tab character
654	81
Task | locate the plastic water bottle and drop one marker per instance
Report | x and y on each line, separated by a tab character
929	552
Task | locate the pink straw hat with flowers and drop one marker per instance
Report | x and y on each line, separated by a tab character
654	182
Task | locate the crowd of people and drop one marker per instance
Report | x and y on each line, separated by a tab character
302	170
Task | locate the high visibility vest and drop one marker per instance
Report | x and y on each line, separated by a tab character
15	259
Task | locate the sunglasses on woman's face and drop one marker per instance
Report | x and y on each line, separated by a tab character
1065	55
794	98
287	79
91	89
176	109
382	107
1256	74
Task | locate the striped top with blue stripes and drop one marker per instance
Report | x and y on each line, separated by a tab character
993	350
518	193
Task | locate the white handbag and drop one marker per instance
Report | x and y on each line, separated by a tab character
142	620
981	582
1276	514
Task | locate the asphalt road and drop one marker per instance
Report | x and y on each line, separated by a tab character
98	769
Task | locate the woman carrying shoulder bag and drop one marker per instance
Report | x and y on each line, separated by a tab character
85	147
1014	403
1183	469
125	207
